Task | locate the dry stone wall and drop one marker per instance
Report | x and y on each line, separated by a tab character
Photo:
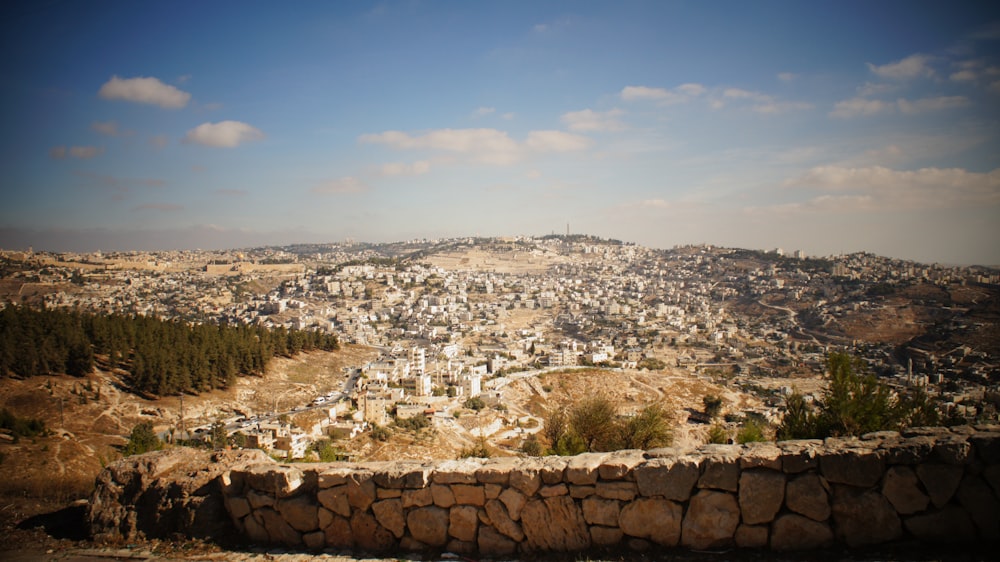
927	485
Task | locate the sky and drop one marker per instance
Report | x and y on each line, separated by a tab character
825	127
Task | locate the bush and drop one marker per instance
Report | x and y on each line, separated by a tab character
594	425
532	447
718	435
21	427
750	432
142	440
712	404
380	433
854	404
475	403
480	450
416	423
646	430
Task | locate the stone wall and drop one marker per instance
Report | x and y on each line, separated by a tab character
933	485
927	484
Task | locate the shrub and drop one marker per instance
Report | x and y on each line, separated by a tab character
142	440
712	404
475	403
750	432
532	447
718	435
854	404
380	433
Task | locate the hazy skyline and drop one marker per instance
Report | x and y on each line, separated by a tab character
823	126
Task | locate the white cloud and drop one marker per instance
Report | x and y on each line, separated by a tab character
913	66
773	107
762	103
556	141
856	107
590	120
787	76
879	188
109	128
682	93
540	27
340	186
508	116
484	111
403	169
963	76
875	89
738	93
939	103
224	134
487	146
144	90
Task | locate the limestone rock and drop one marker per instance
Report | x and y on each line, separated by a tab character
492	543
279	531
462	471
514	501
555	524
583	469
655	519
855	467
502	521
300	512
442	495
987	446
463	522
951	524
418	498
751	536
671	478
338	532
625	491
389	514
496	471
901	487
976	497
760	455
710	521
368	534
762	493
527	478
315	540
953	449
468	495
807	495
863	517
940	480
335	499
721	469
605	536
429	525
601	512
800	455
403	474
795	532
619	465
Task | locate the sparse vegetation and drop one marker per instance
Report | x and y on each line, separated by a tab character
594	425
750	432
475	403
21	427
718	435
712	405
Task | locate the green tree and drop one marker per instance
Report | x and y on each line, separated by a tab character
855	403
593	420
142	440
646	430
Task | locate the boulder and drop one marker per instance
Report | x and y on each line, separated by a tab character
429	525
658	520
720	470
555	524
795	532
670	478
951	524
855	467
863	517
901	487
514	502
940	480
368	534
751	536
463	522
502	520
710	521
597	511
338	532
807	495
762	492
977	498
300	512
389	514
492	543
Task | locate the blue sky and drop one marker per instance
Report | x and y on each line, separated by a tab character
828	127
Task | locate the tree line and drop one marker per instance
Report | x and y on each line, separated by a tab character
161	356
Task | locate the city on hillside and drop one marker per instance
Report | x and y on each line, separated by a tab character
451	324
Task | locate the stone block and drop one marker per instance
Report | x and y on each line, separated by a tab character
795	532
583	469
553	491
335	476
808	495
987	446
335	499
975	495
580	492
601	512
463	522
461	547
951	524
360	492
854	467
502	521
368	534
622	490
619	465
720	470
799	455
670	478
751	536
417	498
442	495
493	491
953	449
910	451
555	524
279	531
315	540
388	493
492	543
462	471
277	480
300	512
864	517
429	525
762	493
514	502
552	470
389	514
902	488
237	507
760	455
605	536
466	494
526	478
258	499
940	480
710	521
403	474
338	532
496	471
255	531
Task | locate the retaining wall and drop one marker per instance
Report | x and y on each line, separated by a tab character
930	484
